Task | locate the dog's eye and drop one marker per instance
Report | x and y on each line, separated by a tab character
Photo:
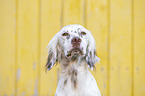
83	33
65	34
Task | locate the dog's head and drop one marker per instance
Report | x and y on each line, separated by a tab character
71	42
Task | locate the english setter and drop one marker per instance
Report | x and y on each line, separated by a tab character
74	48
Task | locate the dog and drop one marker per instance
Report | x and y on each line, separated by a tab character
73	47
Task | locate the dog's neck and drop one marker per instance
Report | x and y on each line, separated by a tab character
78	64
70	70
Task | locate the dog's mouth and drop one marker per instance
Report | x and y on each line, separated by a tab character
74	52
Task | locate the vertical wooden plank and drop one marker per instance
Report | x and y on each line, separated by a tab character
139	47
7	48
120	48
27	47
50	25
73	12
97	23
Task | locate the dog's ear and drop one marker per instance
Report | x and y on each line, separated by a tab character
91	56
53	53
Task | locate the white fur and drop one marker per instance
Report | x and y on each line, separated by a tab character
75	79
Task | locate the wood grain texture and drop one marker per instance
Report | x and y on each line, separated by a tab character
50	22
7	47
73	12
139	48
97	22
120	48
27	47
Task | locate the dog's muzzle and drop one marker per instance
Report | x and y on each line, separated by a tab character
75	51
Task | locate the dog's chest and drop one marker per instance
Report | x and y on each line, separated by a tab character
75	84
85	86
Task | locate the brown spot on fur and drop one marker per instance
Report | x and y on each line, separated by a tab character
65	65
73	59
65	82
75	83
75	73
95	53
74	78
48	64
49	57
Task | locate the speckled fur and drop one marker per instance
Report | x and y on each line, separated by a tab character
75	79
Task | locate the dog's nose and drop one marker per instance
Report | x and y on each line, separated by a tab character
76	41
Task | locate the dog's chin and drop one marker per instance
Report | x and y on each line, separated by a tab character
75	52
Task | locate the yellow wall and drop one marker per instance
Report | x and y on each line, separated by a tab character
26	27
